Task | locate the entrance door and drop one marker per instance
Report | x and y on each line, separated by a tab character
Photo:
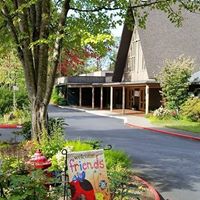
129	98
142	99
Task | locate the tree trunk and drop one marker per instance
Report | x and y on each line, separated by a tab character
34	25
39	120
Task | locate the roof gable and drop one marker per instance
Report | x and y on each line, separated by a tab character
122	54
161	40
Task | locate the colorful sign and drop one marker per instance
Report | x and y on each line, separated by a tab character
87	175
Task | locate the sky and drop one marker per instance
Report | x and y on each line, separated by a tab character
118	31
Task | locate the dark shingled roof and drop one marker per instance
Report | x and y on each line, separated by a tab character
161	40
122	54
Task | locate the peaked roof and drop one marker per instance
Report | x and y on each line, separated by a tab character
122	54
161	40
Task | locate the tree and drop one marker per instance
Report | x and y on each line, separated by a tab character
40	28
74	62
174	81
71	63
11	70
11	75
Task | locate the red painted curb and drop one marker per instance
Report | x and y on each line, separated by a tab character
10	126
150	187
166	132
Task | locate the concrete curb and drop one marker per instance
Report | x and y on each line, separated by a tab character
149	186
10	126
166	132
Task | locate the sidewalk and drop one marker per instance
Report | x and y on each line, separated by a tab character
143	123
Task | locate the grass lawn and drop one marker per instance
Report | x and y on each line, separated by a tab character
178	124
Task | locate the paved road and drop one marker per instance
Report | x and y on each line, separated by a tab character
172	164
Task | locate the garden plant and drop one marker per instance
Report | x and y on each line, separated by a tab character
179	110
21	181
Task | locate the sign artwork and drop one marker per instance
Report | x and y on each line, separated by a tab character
87	175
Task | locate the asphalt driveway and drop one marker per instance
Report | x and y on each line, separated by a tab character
171	164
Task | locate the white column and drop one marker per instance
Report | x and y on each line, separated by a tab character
111	98
147	99
123	99
101	99
80	96
92	97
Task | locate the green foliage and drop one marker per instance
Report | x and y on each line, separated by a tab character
53	141
19	181
174	81
11	75
22	117
19	184
22	100
164	113
122	185
117	157
54	124
57	99
17	116
11	69
180	124
11	164
6	100
25	131
77	145
12	157
27	187
191	109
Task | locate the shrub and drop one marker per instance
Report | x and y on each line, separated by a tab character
77	145
117	157
162	113
122	185
57	99
6	100
54	124
15	180
25	131
174	81
22	99
27	187
52	143
191	109
24	186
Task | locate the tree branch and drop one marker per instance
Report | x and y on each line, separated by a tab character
57	50
188	8
14	33
36	33
28	57
43	51
97	9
